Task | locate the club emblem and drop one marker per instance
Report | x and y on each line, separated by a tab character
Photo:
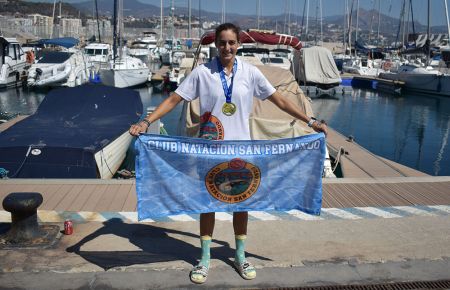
233	181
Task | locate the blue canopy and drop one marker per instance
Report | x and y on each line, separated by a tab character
66	42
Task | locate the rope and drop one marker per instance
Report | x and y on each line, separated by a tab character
23	162
338	158
103	158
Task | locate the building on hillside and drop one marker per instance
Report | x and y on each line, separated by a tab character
71	27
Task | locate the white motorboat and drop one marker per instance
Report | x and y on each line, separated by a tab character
98	54
281	62
142	48
59	67
363	67
13	62
420	79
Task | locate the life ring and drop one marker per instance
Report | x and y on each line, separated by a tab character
30	57
387	65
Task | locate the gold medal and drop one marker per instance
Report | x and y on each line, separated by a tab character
228	109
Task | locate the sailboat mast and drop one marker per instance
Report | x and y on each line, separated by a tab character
307	19
162	21
289	16
98	23
357	20
258	3
199	18
121	27
189	21
223	11
115	30
345	27
428	33
321	23
53	19
448	23
379	18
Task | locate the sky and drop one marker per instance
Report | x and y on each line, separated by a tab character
330	7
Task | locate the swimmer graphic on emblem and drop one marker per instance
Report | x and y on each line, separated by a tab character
233	181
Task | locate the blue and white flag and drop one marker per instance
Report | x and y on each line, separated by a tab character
179	175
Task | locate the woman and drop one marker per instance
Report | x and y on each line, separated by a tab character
226	87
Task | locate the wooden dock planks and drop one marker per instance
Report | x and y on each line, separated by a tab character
120	195
358	162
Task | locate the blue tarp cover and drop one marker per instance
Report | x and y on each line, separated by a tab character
68	128
66	42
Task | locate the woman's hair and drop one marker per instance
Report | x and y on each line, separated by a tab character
228	26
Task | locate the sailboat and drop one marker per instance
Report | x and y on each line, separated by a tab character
420	79
124	70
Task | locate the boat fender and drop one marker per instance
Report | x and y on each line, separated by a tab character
30	57
387	65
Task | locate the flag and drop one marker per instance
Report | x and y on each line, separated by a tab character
180	175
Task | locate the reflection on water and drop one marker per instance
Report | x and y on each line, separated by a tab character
19	101
411	129
25	102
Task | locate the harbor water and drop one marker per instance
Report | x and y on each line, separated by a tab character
410	129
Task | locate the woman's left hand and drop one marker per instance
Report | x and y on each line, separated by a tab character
320	127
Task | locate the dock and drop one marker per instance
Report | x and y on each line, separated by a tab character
158	75
369	181
375	83
383	225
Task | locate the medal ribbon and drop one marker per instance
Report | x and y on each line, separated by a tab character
228	90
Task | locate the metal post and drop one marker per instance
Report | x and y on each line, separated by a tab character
189	22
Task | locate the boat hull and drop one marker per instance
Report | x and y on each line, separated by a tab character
422	83
123	78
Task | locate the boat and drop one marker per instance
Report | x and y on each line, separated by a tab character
123	70
60	66
420	79
178	73
142	47
252	54
79	132
98	54
315	66
266	120
14	63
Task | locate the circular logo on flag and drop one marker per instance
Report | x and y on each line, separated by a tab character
210	127
233	181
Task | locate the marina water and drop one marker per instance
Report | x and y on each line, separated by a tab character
410	129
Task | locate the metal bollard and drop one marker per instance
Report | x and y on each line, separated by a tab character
23	208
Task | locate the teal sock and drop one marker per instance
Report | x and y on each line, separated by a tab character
240	248
206	256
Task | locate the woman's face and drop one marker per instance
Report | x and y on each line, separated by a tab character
227	44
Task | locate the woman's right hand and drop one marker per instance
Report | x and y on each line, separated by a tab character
138	128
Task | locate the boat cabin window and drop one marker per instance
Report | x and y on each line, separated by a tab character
92	51
276	60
